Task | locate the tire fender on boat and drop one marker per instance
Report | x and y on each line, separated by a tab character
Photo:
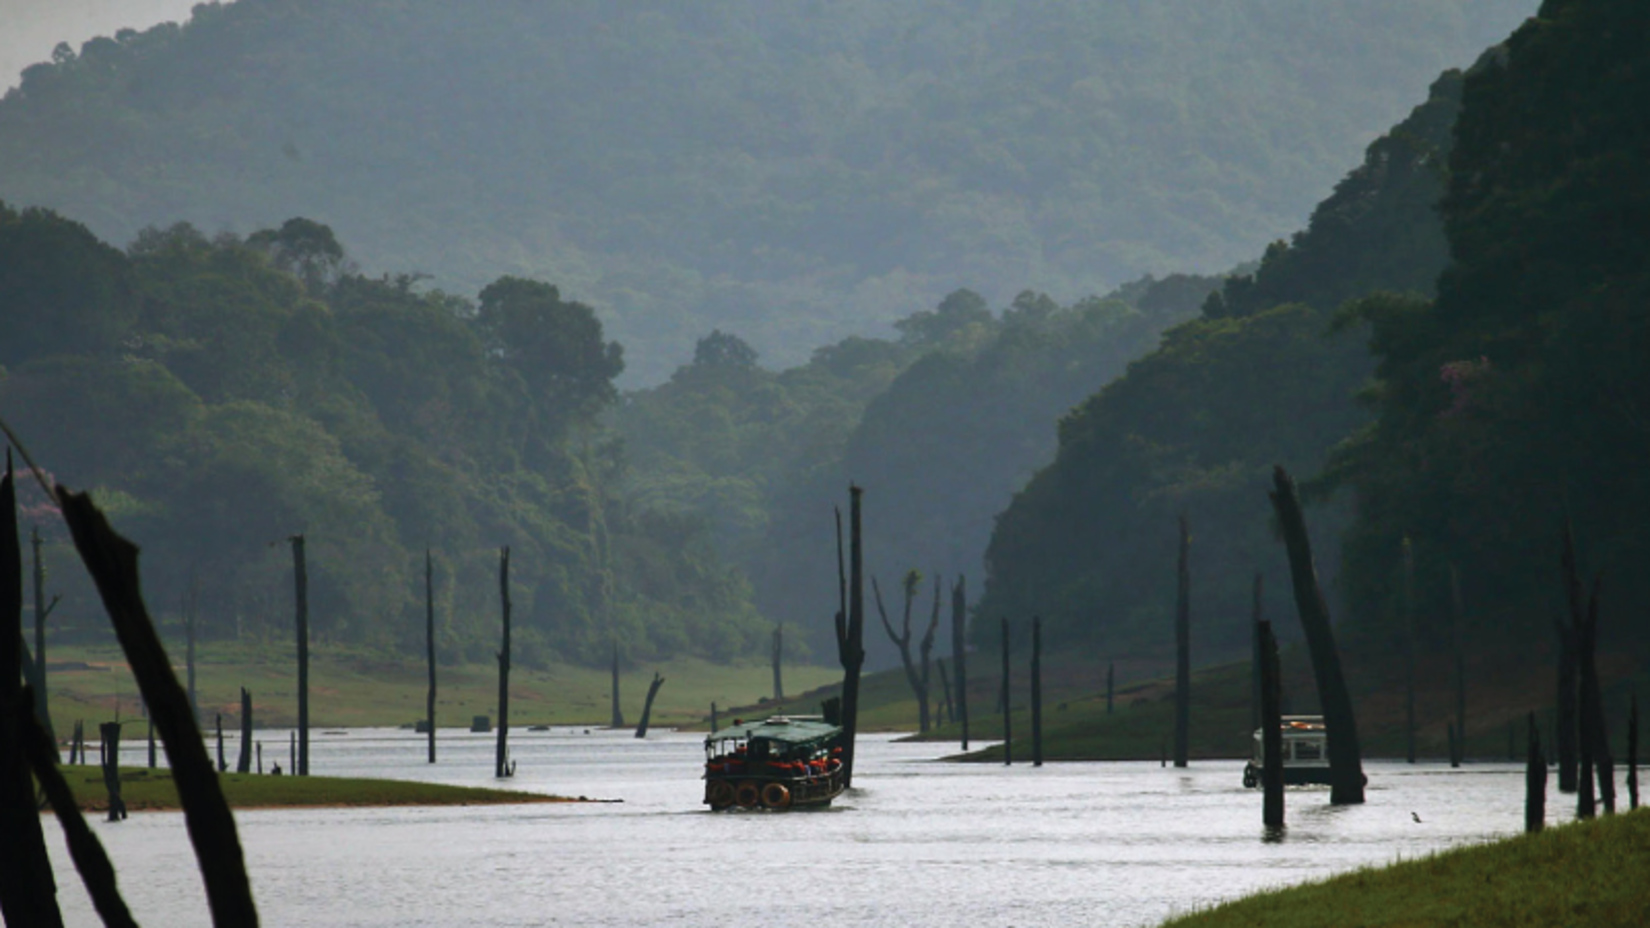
719	794
776	796
747	795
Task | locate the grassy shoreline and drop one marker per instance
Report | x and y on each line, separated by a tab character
1582	874
145	790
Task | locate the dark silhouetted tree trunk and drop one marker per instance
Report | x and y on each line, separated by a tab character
1535	782
1595	733
300	579
109	755
28	894
223	764
501	757
647	707
1409	649
1271	728
616	717
429	649
1633	753
1183	649
945	689
190	600
1450	738
959	650
850	628
243	764
1256	616
916	678
1345	761
1458	642
153	760
42	609
1008	706
778	658
1036	691
1567	711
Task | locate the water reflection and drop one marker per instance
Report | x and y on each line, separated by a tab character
914	843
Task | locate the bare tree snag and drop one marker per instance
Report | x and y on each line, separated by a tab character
96	872
502	767
959	650
616	717
1633	753
28	894
778	657
1271	728
42	609
647	707
1535	782
1183	648
222	764
243	764
1341	726
109	758
300	579
945	690
1595	733
1409	649
429	649
1566	628
850	627
1458	642
1036	691
1256	616
915	677
151	726
1008	706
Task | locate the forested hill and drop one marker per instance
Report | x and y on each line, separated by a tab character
793	172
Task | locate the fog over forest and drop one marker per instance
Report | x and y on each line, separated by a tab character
32	28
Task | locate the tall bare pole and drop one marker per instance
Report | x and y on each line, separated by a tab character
616	716
959	650
1458	637
1183	649
1271	727
300	579
850	628
1345	756
778	658
429	648
501	765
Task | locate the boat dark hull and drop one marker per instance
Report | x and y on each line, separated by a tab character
771	794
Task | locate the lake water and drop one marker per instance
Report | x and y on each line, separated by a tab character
916	842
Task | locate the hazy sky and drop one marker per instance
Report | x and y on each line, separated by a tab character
30	29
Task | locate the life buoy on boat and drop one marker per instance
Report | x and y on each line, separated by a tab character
747	795
776	796
719	794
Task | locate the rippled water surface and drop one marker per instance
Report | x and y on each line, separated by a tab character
915	843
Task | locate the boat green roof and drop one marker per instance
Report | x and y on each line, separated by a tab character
794	732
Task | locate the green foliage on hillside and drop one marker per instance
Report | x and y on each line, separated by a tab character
795	173
1196	426
223	394
1521	395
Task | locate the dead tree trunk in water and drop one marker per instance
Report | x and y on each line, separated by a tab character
1255	659
1036	691
502	767
1409	649
429	649
1458	638
1633	753
918	680
1535	782
948	706
42	609
1271	727
1008	706
850	628
28	894
1567	666
1183	649
1595	734
647	707
152	758
959	656
778	655
300	579
616	716
243	764
223	764
1345	761
109	735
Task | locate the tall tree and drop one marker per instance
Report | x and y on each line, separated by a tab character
1345	760
850	627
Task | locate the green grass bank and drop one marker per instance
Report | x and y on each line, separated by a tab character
1585	874
143	789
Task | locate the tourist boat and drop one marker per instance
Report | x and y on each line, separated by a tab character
1305	752
775	764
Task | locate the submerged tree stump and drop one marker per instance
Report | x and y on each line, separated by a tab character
502	767
1183	649
959	650
300	580
109	733
616	716
1535	781
1008	707
1036	691
1633	753
647	707
429	649
850	627
1271	728
243	764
